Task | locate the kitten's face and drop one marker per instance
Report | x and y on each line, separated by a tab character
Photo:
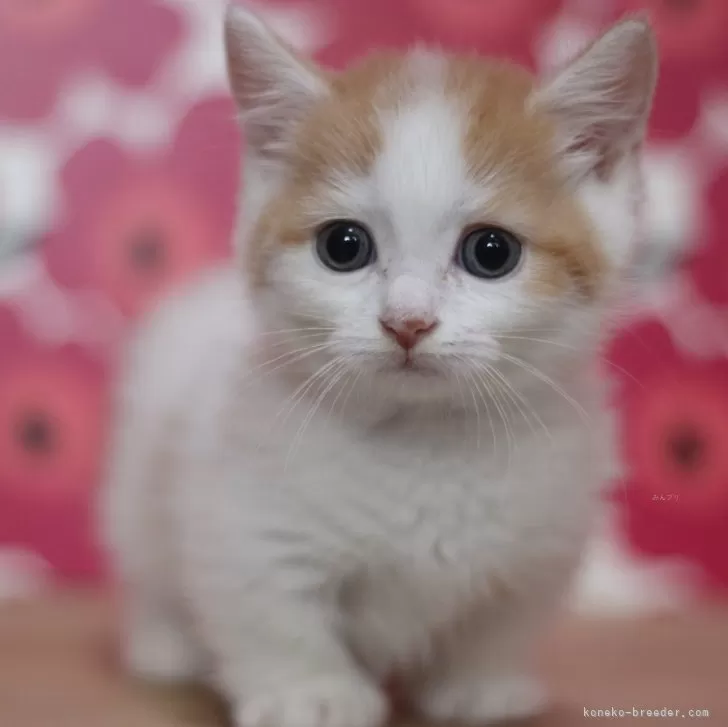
419	224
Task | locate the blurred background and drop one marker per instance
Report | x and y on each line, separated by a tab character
119	161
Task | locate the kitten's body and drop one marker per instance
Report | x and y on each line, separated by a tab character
306	538
397	519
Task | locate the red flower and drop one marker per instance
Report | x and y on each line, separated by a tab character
675	442
41	42
687	30
709	265
138	225
692	37
53	412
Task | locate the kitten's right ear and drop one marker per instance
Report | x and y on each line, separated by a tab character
273	86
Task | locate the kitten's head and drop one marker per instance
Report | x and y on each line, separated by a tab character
424	218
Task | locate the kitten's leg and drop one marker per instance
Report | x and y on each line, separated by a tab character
481	674
283	664
157	645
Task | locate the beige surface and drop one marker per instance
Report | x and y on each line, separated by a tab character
57	669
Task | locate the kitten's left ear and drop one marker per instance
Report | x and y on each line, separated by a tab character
601	101
274	87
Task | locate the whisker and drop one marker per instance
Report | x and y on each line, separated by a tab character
525	402
346	388
304	329
501	404
294	399
298	354
479	379
475	406
536	373
297	337
332	376
560	344
509	396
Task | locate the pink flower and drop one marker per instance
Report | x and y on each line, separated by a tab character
52	406
41	42
709	265
497	27
675	441
692	37
53	417
358	27
494	27
140	224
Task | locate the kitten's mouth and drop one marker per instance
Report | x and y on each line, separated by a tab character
411	367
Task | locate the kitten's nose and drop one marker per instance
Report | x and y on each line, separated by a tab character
408	332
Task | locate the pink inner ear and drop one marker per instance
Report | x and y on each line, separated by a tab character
607	155
602	99
272	85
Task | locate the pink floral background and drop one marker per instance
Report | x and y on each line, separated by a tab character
118	168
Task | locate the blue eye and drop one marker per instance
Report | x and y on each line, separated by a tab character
489	252
345	246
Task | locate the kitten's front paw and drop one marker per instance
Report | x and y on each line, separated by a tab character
497	700
323	702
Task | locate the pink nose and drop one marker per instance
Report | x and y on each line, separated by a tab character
408	332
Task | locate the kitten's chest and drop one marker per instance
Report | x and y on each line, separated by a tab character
432	492
453	527
408	474
416	518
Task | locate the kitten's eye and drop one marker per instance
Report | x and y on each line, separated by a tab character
345	246
489	252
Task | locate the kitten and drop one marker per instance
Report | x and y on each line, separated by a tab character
374	446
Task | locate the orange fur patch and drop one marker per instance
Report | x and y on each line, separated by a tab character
511	151
341	134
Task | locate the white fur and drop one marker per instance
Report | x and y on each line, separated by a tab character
297	517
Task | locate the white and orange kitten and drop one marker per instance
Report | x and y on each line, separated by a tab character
373	446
